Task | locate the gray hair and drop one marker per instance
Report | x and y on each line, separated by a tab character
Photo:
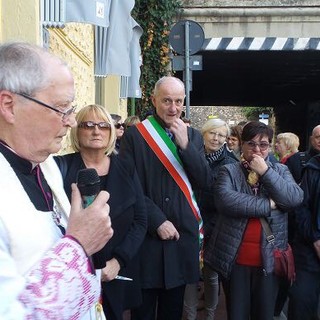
213	124
23	67
165	79
316	128
290	140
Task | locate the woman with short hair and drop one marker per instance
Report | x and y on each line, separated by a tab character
119	126
234	140
238	250
131	121
214	133
286	145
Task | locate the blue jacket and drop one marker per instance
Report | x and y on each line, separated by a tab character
236	203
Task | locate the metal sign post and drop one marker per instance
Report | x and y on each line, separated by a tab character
187	68
186	38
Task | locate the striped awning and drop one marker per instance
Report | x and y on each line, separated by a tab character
261	43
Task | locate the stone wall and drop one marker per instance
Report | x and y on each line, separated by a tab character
255	18
199	115
250	3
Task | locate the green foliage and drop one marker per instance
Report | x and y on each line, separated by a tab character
252	113
156	18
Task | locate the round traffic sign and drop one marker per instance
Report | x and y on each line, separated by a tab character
177	37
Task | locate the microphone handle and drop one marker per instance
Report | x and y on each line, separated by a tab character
99	258
87	200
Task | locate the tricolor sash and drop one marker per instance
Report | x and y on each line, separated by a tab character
166	151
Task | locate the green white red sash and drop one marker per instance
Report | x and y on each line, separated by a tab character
166	151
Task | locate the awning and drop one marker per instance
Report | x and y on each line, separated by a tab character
117	48
134	89
89	11
115	41
261	43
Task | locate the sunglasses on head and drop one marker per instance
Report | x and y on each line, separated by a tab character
90	125
119	125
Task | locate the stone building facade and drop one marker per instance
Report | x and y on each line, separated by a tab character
200	114
255	18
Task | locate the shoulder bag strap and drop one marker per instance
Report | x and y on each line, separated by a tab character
267	230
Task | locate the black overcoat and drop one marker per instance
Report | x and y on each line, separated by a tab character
168	263
308	219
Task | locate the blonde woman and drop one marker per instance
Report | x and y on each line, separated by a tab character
287	144
214	133
131	121
93	141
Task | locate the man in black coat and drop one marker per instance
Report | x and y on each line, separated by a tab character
170	251
297	162
305	291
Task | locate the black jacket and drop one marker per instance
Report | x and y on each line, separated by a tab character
205	197
170	263
297	162
308	218
129	222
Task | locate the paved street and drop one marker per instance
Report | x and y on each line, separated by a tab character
220	312
221	309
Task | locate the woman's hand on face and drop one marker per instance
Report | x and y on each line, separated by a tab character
258	165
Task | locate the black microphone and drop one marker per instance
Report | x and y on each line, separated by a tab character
88	183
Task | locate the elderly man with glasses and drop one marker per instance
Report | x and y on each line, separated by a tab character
44	244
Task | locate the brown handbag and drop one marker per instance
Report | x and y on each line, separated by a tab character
283	259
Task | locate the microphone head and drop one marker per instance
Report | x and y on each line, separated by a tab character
88	182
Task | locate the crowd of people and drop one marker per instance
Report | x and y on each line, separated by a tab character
177	206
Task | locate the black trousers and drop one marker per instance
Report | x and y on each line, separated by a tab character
250	294
160	304
284	286
304	296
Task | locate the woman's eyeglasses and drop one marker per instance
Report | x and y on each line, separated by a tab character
119	125
262	145
90	125
217	134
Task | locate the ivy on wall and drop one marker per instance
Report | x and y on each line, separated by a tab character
156	18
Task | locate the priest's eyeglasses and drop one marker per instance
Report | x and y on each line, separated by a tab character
65	114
